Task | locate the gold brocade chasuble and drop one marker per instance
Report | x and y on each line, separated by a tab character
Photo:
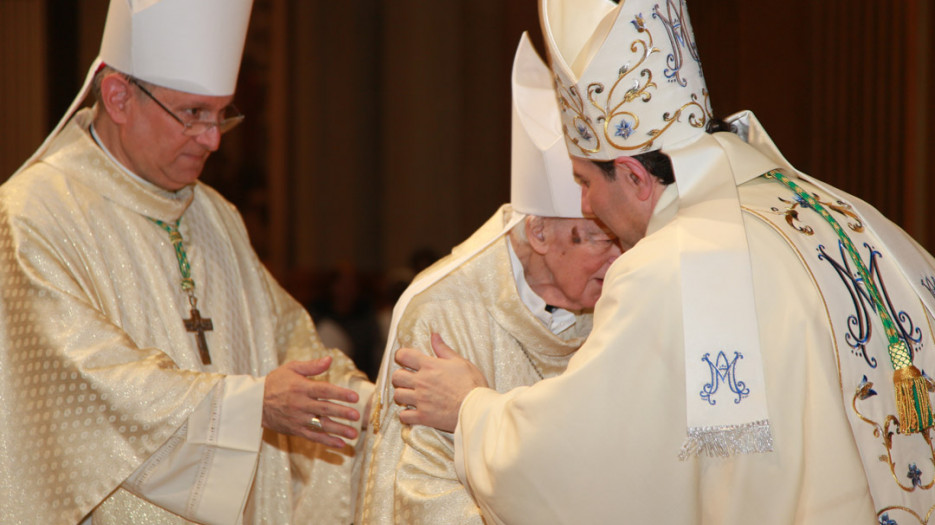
98	370
408	473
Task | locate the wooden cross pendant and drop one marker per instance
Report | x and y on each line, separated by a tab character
199	324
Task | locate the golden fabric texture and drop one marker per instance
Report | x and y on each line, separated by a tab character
97	368
407	473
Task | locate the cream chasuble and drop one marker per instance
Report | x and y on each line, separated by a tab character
104	396
900	466
529	456
408	473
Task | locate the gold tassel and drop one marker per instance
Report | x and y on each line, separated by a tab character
912	401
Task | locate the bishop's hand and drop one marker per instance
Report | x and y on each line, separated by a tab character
433	387
291	400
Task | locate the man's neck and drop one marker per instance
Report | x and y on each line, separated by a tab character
99	140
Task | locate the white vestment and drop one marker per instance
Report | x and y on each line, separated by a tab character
408	473
601	442
106	403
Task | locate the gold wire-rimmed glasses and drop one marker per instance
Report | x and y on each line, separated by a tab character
194	126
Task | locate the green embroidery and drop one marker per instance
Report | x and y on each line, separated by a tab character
188	284
899	354
196	323
912	401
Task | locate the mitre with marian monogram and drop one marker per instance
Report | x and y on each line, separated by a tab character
628	80
633	84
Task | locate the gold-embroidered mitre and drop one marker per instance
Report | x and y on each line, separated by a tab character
628	77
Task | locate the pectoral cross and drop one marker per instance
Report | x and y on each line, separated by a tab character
200	324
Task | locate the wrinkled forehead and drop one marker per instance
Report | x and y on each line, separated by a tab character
595	229
586	228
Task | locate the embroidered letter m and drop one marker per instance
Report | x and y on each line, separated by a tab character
724	371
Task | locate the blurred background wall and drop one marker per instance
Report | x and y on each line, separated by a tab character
379	129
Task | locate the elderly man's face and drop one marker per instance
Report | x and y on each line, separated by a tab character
580	252
154	143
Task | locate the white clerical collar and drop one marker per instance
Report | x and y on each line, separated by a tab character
110	155
559	319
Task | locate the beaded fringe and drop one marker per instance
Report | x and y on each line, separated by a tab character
729	440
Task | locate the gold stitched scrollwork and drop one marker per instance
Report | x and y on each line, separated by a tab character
845	209
695	120
612	116
792	215
569	99
886	433
883	515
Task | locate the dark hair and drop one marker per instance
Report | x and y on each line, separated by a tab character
656	162
715	124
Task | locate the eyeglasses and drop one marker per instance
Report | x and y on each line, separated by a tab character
194	125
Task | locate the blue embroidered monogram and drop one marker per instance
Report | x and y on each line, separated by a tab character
858	323
928	282
726	371
679	37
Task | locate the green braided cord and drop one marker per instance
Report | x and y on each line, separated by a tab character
899	352
188	284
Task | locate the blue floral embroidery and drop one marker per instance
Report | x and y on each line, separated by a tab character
802	202
865	389
583	131
638	22
928	381
624	129
885	520
726	371
915	475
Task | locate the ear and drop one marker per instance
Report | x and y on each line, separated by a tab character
536	234
115	97
632	172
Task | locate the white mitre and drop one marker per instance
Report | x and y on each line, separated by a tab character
541	174
542	183
193	46
628	77
187	45
628	80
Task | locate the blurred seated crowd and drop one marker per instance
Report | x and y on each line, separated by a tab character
352	307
